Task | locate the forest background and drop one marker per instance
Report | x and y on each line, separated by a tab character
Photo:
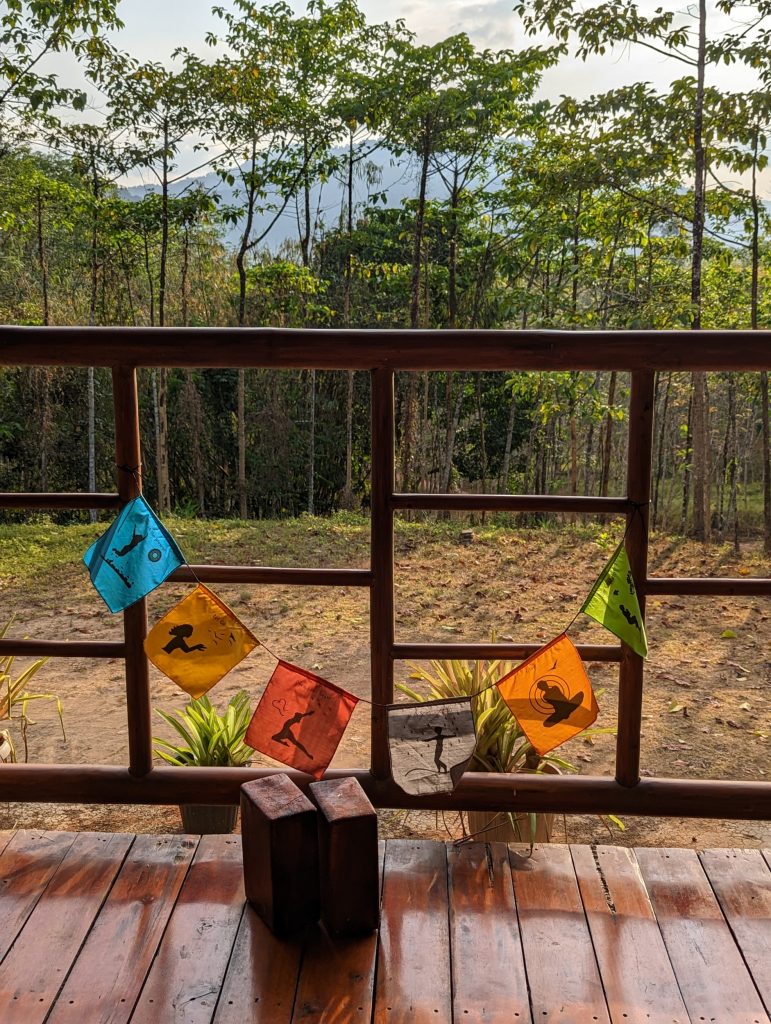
638	207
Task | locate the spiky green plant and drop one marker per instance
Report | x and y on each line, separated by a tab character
501	744
14	693
210	739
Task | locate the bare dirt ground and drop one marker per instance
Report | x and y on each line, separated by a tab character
707	706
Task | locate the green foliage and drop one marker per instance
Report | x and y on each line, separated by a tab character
501	745
209	739
15	695
583	213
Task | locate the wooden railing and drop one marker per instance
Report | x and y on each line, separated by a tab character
382	353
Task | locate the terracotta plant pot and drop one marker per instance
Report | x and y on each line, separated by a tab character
494	827
208	819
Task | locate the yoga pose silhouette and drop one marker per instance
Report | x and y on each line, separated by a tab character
563	706
136	538
180	634
285	736
439	739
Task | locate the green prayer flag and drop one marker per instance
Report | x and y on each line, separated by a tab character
613	603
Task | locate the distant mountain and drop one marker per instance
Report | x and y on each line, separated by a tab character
396	177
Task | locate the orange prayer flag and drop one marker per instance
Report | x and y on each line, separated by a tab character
300	719
550	695
198	642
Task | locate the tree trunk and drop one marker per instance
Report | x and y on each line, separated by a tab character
420	216
241	430
452	429
687	467
347	496
764	414
305	241
733	463
452	270
164	227
409	430
91	399
41	255
766	461
607	443
91	386
164	489
701	483
243	248
481	420
503	485
312	444
576	260
701	475
661	452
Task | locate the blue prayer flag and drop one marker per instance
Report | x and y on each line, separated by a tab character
134	556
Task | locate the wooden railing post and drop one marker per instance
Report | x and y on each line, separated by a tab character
630	688
381	613
128	455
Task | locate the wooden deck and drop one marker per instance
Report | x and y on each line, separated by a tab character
99	928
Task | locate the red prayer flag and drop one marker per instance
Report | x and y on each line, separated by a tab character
300	719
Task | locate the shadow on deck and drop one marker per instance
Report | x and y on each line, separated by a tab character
101	928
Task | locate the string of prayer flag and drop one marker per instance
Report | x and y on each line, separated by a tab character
133	557
300	719
613	603
198	642
550	695
430	744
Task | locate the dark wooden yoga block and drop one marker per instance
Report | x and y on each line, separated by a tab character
281	860
348	857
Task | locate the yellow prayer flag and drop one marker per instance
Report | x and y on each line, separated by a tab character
198	642
550	695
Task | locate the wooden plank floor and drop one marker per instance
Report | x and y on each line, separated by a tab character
112	929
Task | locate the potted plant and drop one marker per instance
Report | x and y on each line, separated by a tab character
501	745
209	740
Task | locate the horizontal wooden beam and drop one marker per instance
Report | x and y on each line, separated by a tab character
706	585
509	652
512	503
391	349
269	574
577	794
63	648
79	500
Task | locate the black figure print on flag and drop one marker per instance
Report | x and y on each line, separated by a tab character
430	744
132	557
300	719
198	641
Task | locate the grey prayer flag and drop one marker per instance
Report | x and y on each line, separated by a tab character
430	744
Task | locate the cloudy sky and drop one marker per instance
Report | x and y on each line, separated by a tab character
153	28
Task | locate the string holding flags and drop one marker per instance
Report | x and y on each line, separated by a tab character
133	557
430	744
550	695
198	642
613	603
300	719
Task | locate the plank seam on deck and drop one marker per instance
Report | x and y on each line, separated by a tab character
764	856
151	963
644	893
74	960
